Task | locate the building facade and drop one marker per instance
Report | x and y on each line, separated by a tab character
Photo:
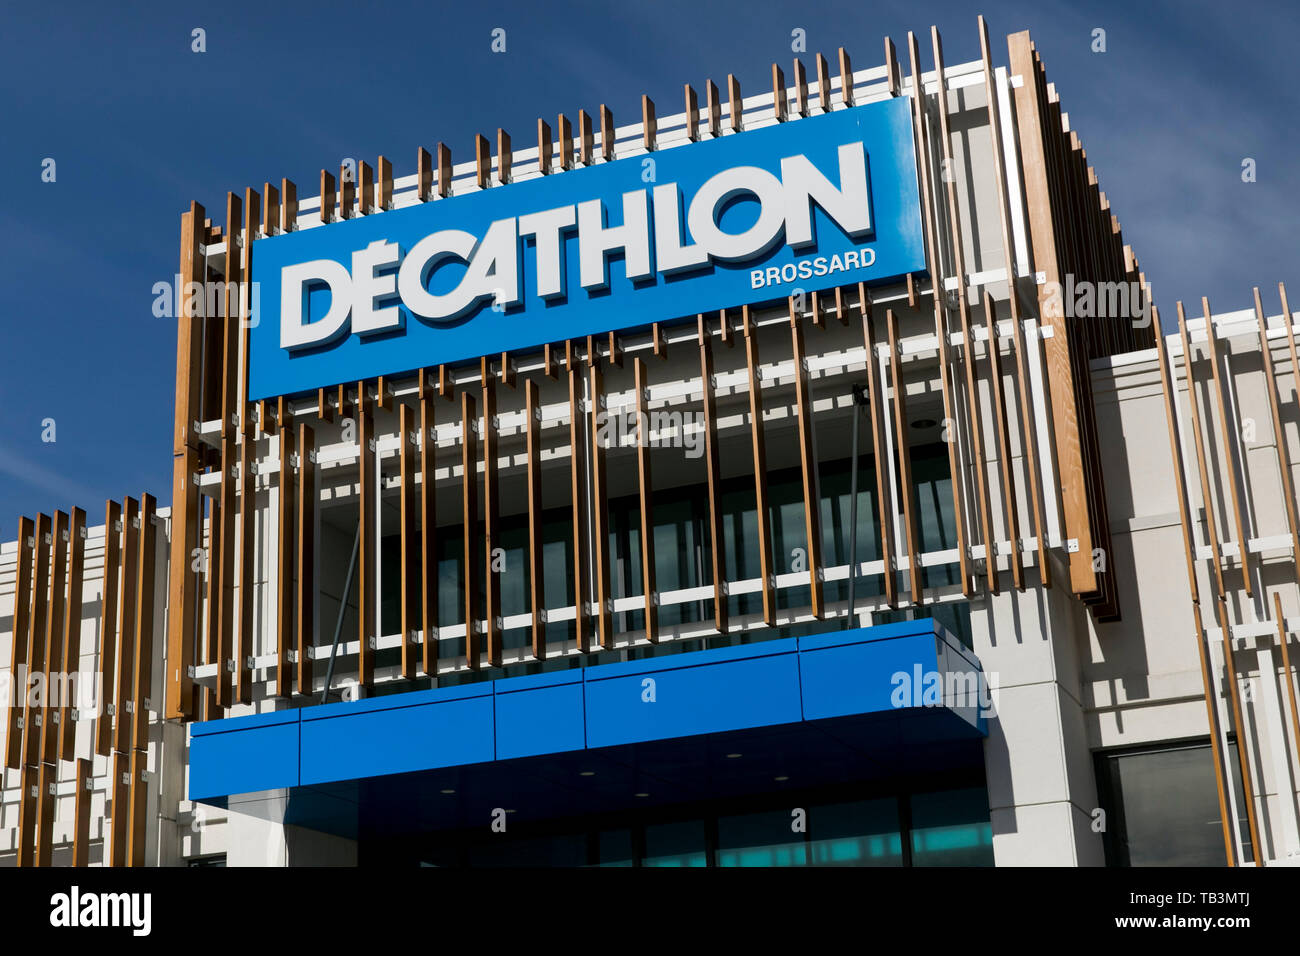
879	525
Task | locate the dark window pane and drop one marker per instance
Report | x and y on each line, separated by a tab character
951	828
1163	808
863	833
760	839
675	844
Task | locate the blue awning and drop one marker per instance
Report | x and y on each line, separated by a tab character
896	698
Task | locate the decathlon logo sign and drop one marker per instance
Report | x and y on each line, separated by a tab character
805	205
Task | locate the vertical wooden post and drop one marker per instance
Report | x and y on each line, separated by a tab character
761	510
536	541
469	500
1038	202
182	586
645	494
713	466
807	463
885	505
305	557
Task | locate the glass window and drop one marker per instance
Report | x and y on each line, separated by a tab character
1162	806
761	839
862	833
614	848
951	828
675	844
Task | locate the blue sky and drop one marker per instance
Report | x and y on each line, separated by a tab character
139	125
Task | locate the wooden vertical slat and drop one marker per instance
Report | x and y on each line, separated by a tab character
55	665
713	467
807	462
47	777
544	147
823	83
607	132
649	128
564	139
142	671
138	797
645	495
81	826
963	312
366	543
409	538
799	78
270	209
846	77
735	104
428	538
536	540
692	114
210	639
891	67
327	210
243	645
1030	439
20	645
505	156
304	556
383	184
182	597
1029	446
288	205
442	155
348	191
108	627
482	161
29	810
491	519
469	519
38	649
1168	388
599	504
1207	493
904	452
1032	137
713	108
578	495
128	612
932	231
586	139
1239	728
1007	473
120	811
761	512
1226	431
1279	435
285	553
1286	670
885	506
423	174
780	103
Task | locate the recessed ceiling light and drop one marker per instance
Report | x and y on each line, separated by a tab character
449	790
732	756
641	794
924	423
587	773
781	779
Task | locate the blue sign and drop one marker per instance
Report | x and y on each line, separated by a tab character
811	204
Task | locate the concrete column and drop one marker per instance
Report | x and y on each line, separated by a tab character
258	836
1041	783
